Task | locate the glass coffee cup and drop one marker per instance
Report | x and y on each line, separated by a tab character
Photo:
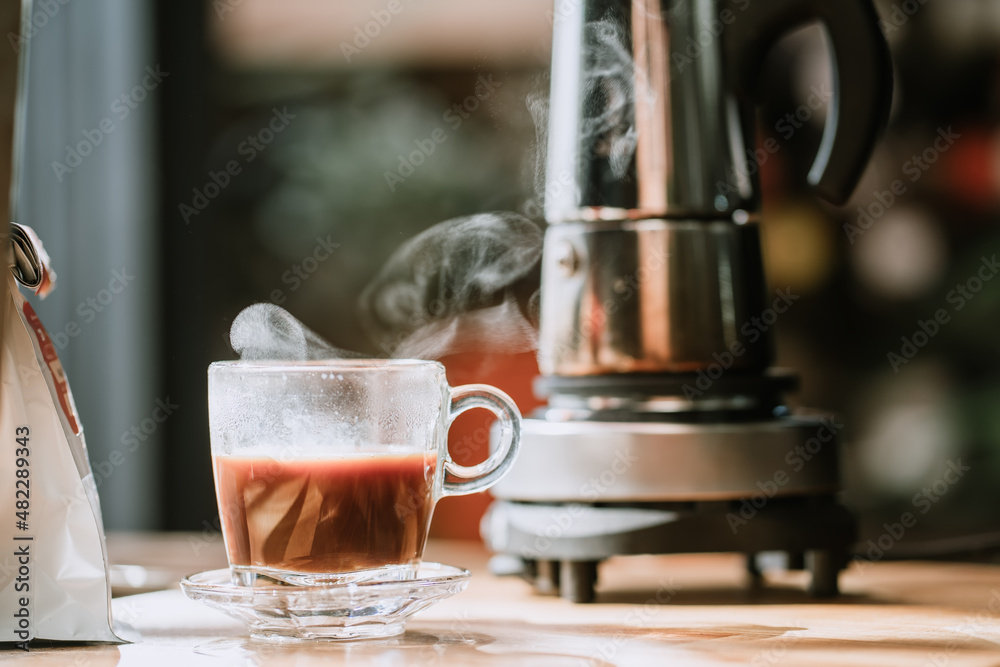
328	471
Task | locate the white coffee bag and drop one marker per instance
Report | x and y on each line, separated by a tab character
54	581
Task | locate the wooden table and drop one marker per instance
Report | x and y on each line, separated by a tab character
671	610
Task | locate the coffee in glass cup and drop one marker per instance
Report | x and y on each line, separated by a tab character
328	471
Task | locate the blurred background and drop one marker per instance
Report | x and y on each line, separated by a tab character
209	155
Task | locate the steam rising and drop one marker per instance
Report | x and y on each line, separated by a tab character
609	89
538	108
501	328
264	332
466	283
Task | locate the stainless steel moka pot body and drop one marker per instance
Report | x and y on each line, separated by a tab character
664	429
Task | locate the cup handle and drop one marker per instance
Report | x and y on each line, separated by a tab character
484	475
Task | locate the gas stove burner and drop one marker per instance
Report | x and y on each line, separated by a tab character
582	491
675	397
689	385
586	462
558	547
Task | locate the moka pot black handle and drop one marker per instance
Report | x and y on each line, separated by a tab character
862	89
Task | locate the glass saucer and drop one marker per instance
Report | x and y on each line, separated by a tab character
283	612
